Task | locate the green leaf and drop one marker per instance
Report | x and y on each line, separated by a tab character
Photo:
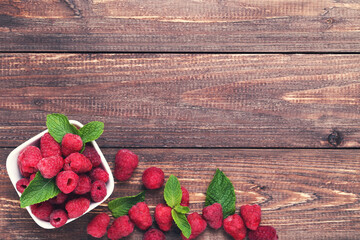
59	125
182	222
221	191
121	206
39	190
91	131
172	191
181	209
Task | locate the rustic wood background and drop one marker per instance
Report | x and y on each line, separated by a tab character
267	91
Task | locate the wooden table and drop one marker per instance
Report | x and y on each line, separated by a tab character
267	91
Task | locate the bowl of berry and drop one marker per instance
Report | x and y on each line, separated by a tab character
61	174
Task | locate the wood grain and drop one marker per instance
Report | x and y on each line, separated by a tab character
304	194
210	100
171	25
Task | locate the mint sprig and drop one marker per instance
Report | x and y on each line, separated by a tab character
221	190
121	206
39	190
91	131
181	209
182	222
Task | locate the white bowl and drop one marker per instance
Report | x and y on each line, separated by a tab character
15	175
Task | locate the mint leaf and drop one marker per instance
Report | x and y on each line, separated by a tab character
182	222
39	190
121	206
172	191
221	191
59	125
181	209
91	131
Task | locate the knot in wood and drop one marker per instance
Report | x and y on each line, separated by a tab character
335	138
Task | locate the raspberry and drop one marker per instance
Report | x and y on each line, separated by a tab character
28	160
71	143
49	147
235	227
32	176
98	191
125	164
185	197
153	178
50	166
67	181
91	153
77	207
84	185
140	215
22	184
99	174
42	210
154	234
263	233
213	215
163	217
78	163
251	214
197	223
59	199
58	218
120	228
97	226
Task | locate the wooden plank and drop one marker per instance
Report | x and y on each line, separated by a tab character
171	25
304	194
157	100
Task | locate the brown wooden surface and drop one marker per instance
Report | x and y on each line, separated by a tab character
304	194
172	25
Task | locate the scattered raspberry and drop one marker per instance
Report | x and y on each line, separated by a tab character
154	234
91	153
32	176
71	143
197	223
77	207
120	228
263	233
78	163
99	174
22	184
140	215
49	147
125	164
59	199
50	166
84	185
153	178
58	218
185	200
67	181
251	214
42	210
98	191
235	227
213	215
28	160
163	217
98	225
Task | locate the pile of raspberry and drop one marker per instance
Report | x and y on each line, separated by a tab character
79	176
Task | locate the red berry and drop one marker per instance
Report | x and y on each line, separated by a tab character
58	218
22	184
235	227
213	215
78	163
71	143
197	223
50	166
98	191
154	234
99	174
185	200
91	153
67	181
153	178
32	176
98	225
125	164
140	215
163	217
59	199
42	210
49	147
263	233
28	160
120	228
84	185
77	207
251	214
